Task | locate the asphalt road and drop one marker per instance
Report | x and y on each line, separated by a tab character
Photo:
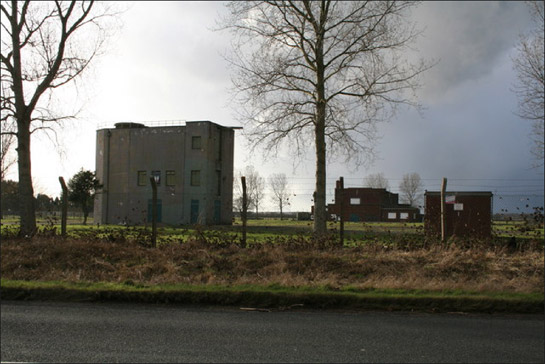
91	332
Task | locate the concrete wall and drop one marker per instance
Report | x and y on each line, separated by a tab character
124	151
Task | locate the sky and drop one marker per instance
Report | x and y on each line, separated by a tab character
166	64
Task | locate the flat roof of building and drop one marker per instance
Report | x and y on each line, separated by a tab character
460	193
162	124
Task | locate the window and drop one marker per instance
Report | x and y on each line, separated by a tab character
355	201
195	178
403	215
392	215
170	178
196	142
157	176
141	179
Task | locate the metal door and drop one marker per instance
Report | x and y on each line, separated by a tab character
194	215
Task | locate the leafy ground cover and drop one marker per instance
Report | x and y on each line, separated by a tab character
262	229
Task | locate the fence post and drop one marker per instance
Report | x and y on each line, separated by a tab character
64	206
244	214
341	208
443	209
153	212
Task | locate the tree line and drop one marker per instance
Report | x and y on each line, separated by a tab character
410	188
255	187
82	188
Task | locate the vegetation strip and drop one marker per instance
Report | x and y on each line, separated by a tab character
276	297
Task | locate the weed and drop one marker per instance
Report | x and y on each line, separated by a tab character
124	256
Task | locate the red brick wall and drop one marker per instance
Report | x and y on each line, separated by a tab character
371	207
475	220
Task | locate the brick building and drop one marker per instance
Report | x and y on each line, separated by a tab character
371	204
192	164
466	214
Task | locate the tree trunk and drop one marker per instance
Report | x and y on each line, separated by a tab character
85	213
319	198
27	211
319	134
23	113
281	210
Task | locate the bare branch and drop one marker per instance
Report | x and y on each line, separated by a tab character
281	194
530	86
51	44
320	73
411	189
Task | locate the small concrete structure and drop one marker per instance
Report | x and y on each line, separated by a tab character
467	214
192	165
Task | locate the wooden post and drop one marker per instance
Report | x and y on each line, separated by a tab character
341	208
244	214
443	209
64	212
153	212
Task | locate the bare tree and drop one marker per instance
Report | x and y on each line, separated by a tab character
255	189
7	135
377	180
237	193
6	159
317	73
411	189
45	45
279	186
530	86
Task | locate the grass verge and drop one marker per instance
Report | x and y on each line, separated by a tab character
276	297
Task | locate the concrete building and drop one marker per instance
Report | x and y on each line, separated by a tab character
371	204
192	164
468	213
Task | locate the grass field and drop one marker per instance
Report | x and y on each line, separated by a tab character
282	256
263	229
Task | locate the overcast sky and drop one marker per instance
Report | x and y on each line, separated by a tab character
166	64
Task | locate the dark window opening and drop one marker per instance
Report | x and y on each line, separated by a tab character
141	179
196	142
195	178
170	178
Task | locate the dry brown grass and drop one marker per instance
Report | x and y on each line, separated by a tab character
195	262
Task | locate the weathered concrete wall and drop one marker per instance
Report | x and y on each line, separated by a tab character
123	152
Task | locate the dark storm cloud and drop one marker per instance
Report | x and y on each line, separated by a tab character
468	131
467	38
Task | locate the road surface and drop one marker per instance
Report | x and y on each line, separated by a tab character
106	332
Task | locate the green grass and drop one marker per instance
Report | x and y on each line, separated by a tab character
518	229
266	230
369	292
277	297
289	226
